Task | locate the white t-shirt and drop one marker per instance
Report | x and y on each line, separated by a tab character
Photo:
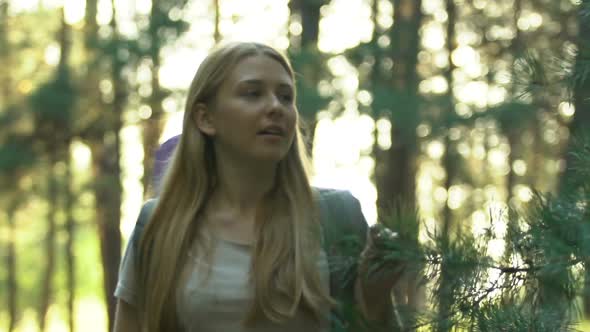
220	302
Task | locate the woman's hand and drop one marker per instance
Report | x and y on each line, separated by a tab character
378	271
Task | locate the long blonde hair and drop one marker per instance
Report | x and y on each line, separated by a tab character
284	256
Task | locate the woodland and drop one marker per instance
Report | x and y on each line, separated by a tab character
479	149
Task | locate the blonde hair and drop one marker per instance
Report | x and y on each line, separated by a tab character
284	255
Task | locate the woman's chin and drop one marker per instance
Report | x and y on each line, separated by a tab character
271	155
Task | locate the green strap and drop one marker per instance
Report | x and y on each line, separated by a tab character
344	234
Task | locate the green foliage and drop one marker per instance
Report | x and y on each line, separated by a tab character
9	115
512	115
405	222
403	109
534	289
585	11
497	317
580	161
577	69
531	74
89	285
549	240
309	62
53	102
15	155
398	104
309	101
165	25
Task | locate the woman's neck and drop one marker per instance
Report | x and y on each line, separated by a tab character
240	188
232	209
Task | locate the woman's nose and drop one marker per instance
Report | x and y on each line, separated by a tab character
275	104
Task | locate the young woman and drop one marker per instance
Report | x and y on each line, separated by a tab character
236	240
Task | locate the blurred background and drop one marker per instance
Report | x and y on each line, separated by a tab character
460	108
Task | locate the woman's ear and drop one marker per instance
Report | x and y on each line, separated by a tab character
203	119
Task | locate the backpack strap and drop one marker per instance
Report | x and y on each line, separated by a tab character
344	233
142	220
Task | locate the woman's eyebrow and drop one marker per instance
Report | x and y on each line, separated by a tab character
255	81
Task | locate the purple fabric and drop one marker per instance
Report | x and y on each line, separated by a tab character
162	158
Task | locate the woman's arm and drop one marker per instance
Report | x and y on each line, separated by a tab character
372	290
375	307
126	319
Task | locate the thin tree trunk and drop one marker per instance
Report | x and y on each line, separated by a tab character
310	22
65	43
513	137
55	152
446	288
517	48
108	174
216	32
70	238
450	155
104	145
47	291
152	128
309	12
396	180
395	170
108	215
11	266
5	55
6	88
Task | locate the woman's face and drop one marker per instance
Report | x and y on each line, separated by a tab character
253	115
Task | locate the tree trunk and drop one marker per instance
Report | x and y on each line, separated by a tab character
517	48
5	93
310	22
216	32
105	148
91	25
5	55
70	237
395	168
108	190
65	155
450	156
108	215
309	12
446	288
52	193
152	128
153	125
11	266
55	151
512	134
396	175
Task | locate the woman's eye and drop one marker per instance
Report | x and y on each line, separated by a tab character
251	93
287	97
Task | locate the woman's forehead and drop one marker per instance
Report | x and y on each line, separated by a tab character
261	69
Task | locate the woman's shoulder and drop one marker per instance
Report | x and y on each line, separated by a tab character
340	210
327	193
146	210
144	216
335	196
